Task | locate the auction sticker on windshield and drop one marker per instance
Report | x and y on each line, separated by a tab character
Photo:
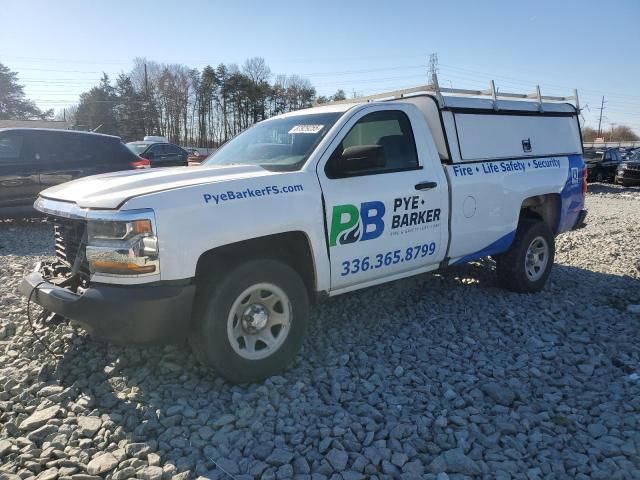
306	129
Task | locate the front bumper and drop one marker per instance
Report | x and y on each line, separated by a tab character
120	314
628	177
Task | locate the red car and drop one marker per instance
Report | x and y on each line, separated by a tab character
195	156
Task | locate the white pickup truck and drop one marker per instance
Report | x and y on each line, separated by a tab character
310	204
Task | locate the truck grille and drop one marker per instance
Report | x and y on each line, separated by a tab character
70	241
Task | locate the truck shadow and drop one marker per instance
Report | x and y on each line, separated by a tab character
376	359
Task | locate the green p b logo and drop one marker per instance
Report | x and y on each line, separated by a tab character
349	225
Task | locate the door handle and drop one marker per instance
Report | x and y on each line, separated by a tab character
426	185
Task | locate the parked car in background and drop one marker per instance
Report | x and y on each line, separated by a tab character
34	159
160	154
196	157
628	172
602	164
628	152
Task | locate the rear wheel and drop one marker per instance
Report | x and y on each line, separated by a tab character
250	323
525	267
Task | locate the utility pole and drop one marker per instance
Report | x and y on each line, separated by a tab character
433	66
600	121
145	122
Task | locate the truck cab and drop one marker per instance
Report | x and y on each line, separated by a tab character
311	204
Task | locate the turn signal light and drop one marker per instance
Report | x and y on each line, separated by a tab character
120	268
139	227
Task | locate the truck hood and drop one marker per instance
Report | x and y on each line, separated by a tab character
110	190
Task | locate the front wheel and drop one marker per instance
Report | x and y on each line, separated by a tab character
525	267
250	324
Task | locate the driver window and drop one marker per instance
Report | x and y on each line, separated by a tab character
389	129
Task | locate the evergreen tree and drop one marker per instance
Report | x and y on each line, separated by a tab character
127	111
13	104
96	111
339	95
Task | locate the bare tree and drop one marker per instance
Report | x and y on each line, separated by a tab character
257	70
67	114
203	108
620	133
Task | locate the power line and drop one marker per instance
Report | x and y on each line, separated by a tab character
63	86
345	72
505	79
352	72
28	69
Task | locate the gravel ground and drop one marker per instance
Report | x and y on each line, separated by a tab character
434	374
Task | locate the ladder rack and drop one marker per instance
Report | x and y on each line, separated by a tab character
492	92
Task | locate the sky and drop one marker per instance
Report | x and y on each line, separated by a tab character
60	49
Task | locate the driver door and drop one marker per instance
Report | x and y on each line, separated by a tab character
386	219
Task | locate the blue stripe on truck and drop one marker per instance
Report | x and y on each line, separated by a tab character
571	197
499	246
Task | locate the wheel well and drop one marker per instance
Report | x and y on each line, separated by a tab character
543	207
293	248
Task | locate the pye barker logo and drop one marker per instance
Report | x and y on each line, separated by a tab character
349	225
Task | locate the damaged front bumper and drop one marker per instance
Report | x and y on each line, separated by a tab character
123	314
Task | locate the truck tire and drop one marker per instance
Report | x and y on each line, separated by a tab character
249	324
525	267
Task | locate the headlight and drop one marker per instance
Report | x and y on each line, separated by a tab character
623	166
122	247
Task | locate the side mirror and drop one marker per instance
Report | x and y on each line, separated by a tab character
357	159
147	155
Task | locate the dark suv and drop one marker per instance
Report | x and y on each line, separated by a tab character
601	164
629	170
160	154
33	159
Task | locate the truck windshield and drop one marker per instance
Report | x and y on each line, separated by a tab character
278	144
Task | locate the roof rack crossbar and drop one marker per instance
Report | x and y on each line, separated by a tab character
492	92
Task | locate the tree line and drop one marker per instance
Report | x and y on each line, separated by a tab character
192	107
618	133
